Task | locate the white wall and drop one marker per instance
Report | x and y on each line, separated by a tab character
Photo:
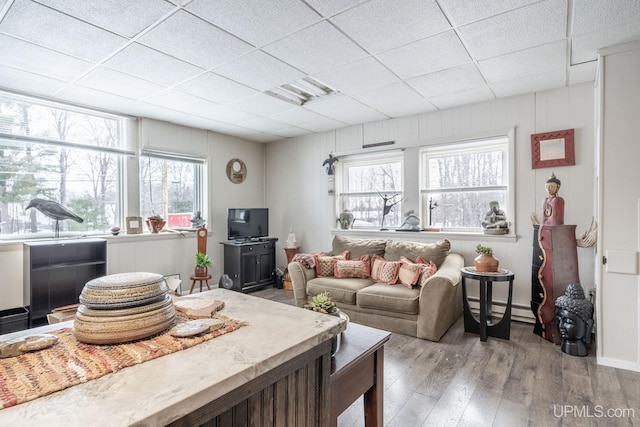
297	182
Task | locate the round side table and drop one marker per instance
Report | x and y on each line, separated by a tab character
484	326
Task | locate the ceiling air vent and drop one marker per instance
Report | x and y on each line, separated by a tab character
302	91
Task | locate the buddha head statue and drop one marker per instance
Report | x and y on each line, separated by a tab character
574	314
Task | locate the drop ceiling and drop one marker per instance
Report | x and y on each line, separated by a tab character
208	64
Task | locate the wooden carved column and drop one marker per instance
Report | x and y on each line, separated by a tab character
554	267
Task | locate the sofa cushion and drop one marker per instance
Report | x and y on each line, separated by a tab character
358	247
324	264
435	252
397	299
383	271
428	270
409	272
358	268
341	290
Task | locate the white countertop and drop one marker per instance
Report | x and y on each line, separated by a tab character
164	389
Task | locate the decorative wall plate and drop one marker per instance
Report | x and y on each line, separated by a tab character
236	171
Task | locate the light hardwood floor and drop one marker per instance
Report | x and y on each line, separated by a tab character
526	381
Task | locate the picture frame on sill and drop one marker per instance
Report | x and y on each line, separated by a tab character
134	225
552	149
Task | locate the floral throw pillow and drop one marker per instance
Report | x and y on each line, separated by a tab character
409	272
428	269
359	268
383	271
324	264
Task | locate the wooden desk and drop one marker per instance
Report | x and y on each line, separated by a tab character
358	368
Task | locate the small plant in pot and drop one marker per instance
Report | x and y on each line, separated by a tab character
202	262
485	262
323	303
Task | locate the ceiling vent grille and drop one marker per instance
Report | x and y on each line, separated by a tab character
302	91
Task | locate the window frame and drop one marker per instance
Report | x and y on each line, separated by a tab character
468	145
341	180
200	175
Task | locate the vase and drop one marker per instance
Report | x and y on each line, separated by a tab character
201	271
486	263
155	225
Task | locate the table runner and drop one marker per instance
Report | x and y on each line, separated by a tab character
70	362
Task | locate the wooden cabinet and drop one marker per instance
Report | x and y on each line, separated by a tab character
250	265
55	272
554	267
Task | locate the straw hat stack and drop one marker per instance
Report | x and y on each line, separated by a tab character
123	307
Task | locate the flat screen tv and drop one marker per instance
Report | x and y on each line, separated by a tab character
246	224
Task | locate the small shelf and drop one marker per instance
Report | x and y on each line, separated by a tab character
67	265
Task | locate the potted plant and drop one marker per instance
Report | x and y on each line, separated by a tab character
155	223
485	262
202	262
322	303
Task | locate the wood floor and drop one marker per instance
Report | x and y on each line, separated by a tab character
526	381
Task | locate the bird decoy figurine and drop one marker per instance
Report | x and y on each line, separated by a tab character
329	164
53	210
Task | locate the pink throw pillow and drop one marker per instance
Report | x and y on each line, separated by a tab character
409	272
359	268
383	271
324	264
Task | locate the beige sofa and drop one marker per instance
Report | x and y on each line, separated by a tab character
426	312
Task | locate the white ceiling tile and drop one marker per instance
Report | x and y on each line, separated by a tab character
27	56
380	25
593	15
585	47
316	48
462	12
292	131
191	39
583	73
345	109
242	132
464	97
308	120
262	105
247	19
530	84
533	25
23	81
226	114
42	25
395	100
108	80
183	102
452	80
540	59
149	64
259	71
101	100
216	88
426	56
262	124
329	8
357	76
123	17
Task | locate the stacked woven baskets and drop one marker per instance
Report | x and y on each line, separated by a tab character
123	307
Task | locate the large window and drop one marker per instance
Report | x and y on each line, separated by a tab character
63	154
171	186
366	183
458	182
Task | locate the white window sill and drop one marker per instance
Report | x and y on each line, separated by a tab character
421	236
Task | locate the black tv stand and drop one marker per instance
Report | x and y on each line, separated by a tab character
250	264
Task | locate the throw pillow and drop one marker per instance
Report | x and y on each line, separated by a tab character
308	260
428	269
324	264
383	271
358	247
435	252
409	272
358	268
